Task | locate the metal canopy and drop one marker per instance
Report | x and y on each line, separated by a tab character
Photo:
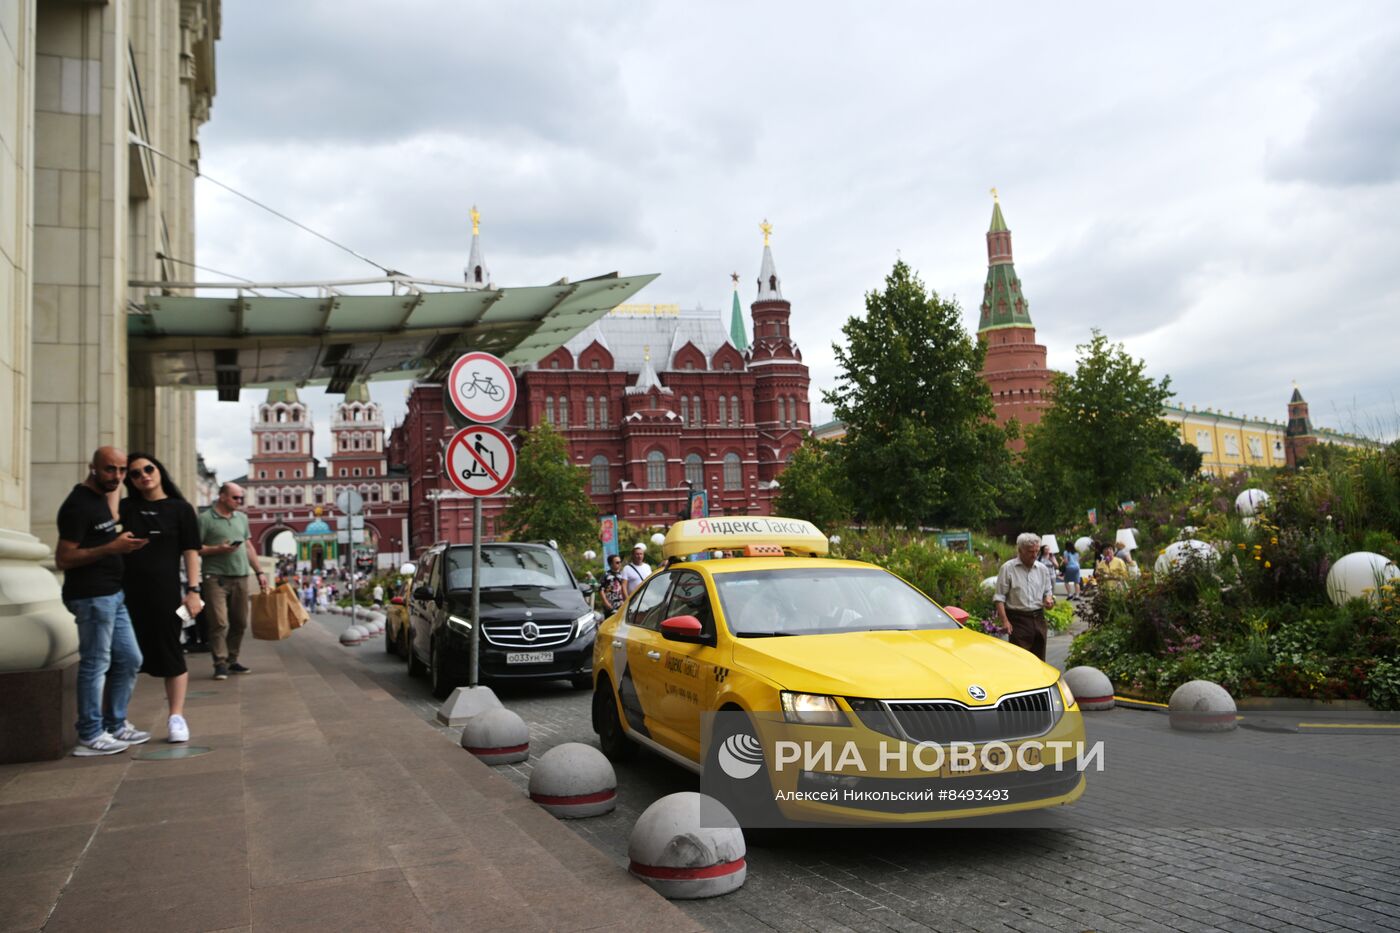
334	338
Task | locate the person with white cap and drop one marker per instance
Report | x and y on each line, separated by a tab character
637	571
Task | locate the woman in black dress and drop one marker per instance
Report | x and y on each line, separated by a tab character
154	509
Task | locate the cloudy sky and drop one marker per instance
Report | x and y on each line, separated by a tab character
1215	185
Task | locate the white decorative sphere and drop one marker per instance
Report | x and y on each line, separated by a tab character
990	583
1084	545
658	539
1251	501
590	555
835	539
1091	687
497	737
681	855
1177	553
1202	706
574	780
1358	576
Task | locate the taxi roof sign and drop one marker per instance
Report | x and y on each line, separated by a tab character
737	533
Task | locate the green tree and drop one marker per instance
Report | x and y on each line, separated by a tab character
921	445
549	495
812	486
1102	440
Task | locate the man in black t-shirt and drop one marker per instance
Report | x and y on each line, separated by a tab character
90	549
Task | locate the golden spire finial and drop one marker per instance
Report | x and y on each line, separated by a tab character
994	196
767	229
476	220
735	277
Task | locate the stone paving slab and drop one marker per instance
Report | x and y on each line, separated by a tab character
327	804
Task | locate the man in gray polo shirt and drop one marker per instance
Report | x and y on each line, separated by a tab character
227	553
1025	589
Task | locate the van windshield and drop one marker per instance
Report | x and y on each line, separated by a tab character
507	566
822	601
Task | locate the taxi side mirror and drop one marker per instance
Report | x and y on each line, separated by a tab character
959	616
682	628
397	601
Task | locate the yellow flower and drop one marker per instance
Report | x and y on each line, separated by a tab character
1267	564
1241	547
1273	540
1256	556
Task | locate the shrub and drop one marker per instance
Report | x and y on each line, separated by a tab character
1384	685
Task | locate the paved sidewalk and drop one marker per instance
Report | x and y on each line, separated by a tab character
326	804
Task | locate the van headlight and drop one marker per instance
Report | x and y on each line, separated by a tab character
586	623
812	709
459	625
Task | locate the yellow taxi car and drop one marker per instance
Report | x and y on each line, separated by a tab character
862	699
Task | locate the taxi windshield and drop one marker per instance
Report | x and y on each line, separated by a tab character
823	601
507	566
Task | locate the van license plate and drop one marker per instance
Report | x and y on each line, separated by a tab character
529	657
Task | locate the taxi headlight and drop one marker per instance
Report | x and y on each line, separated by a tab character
586	623
459	625
812	709
1061	695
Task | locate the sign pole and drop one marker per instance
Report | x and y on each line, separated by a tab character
350	555
476	593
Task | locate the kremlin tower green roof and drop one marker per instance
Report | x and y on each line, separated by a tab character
286	396
357	392
1003	302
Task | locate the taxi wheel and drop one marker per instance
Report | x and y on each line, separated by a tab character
752	803
611	738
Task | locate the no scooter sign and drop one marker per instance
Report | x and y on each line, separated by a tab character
481	387
479	460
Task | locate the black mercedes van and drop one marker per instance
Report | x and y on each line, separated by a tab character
536	621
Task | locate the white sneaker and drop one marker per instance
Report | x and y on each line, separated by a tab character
179	729
131	735
101	744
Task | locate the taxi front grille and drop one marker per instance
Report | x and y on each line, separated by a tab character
945	721
514	634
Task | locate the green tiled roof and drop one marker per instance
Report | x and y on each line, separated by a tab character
1003	304
998	222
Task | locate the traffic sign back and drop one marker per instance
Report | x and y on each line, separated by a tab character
481	387
479	460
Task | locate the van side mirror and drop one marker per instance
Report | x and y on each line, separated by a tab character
422	592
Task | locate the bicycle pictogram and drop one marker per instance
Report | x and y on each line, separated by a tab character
486	384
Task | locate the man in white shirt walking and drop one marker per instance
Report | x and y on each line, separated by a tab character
1025	589
637	571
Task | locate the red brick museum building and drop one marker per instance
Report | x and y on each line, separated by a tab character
654	401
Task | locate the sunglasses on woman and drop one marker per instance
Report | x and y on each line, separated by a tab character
148	469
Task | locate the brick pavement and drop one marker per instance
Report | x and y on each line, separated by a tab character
326	805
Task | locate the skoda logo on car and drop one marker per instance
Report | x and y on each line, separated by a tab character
976	692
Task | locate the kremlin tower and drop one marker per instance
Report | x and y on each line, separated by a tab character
1015	364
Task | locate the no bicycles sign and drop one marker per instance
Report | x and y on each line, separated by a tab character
480	461
481	387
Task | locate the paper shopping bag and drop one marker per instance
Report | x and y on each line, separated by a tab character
269	617
292	607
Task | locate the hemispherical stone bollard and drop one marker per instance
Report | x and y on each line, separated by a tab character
497	737
352	635
679	857
1251	501
574	780
1091	687
1359	575
1202	706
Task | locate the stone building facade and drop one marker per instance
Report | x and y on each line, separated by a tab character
102	105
